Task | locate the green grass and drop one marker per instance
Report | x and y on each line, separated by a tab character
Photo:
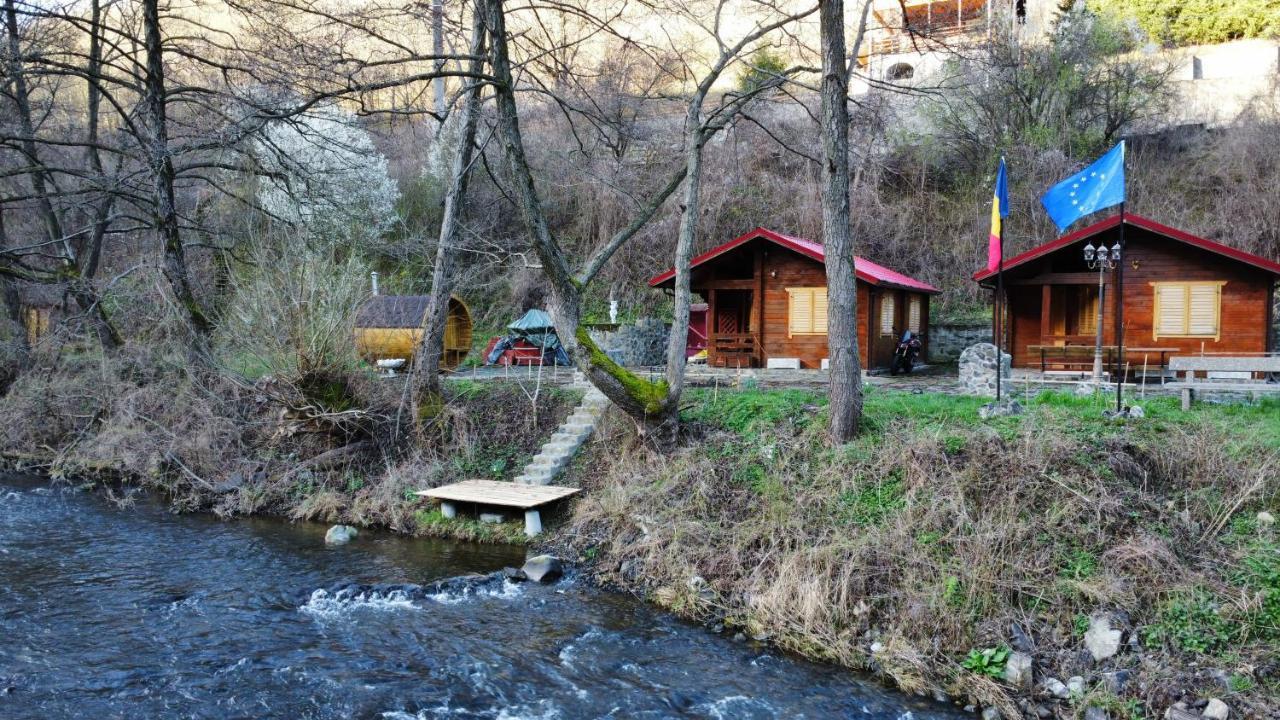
431	523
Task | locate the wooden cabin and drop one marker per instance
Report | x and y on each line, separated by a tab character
766	296
1182	295
390	327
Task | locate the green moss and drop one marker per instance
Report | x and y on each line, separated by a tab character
652	396
432	524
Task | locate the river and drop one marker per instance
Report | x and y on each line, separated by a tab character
138	613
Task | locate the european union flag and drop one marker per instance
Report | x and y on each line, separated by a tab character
1101	185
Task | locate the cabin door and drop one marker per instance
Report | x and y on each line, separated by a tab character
732	338
886	327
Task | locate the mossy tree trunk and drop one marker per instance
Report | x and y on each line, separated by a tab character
654	406
427	397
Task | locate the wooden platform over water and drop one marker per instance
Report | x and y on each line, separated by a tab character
502	494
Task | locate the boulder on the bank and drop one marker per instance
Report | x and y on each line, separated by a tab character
543	568
1216	710
1017	669
1101	639
339	535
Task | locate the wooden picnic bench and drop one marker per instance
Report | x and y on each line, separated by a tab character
501	494
1227	371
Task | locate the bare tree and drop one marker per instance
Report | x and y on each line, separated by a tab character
427	398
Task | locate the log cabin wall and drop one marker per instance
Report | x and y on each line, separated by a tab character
767	271
1245	312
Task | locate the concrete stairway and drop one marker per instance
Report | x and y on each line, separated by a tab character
564	444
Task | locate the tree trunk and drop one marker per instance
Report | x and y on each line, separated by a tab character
677	342
82	290
12	303
643	401
427	399
163	176
437	47
842	291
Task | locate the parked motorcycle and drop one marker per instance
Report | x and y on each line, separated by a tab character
906	354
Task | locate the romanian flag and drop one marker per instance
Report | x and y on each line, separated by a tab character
999	210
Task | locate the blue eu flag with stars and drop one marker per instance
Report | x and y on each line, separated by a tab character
1101	185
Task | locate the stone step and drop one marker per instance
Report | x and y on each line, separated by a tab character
576	426
533	479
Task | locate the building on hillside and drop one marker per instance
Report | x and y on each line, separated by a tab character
909	39
766	296
389	327
1182	295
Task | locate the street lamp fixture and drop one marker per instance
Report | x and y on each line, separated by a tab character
1102	260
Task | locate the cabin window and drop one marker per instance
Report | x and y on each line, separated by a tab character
913	314
887	312
1187	309
807	311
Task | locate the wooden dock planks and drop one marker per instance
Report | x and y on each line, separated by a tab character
503	494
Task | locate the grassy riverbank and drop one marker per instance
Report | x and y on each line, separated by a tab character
223	444
935	534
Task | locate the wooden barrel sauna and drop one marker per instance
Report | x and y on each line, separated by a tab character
389	327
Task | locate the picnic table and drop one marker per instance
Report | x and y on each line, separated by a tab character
1083	354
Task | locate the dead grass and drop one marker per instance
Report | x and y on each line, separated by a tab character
932	533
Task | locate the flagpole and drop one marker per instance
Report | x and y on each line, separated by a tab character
998	309
1124	255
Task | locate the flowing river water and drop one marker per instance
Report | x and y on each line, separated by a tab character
138	613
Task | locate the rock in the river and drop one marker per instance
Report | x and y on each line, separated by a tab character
1101	639
543	568
339	534
513	574
1216	710
1017	670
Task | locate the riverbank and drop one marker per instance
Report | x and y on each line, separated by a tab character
933	539
336	449
937	537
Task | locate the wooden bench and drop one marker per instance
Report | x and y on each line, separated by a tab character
1252	366
501	494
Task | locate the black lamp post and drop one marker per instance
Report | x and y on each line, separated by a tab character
1102	260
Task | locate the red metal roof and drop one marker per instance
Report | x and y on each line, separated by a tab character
865	270
1135	221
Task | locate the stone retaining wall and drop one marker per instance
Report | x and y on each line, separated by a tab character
642	343
948	340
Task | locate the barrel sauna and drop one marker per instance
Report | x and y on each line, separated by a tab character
390	327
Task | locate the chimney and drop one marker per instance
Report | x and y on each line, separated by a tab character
374	275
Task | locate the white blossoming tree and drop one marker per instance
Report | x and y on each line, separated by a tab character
327	177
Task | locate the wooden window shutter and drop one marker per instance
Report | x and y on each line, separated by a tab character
887	312
1171	304
1203	302
1191	309
807	311
819	311
800	312
913	314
